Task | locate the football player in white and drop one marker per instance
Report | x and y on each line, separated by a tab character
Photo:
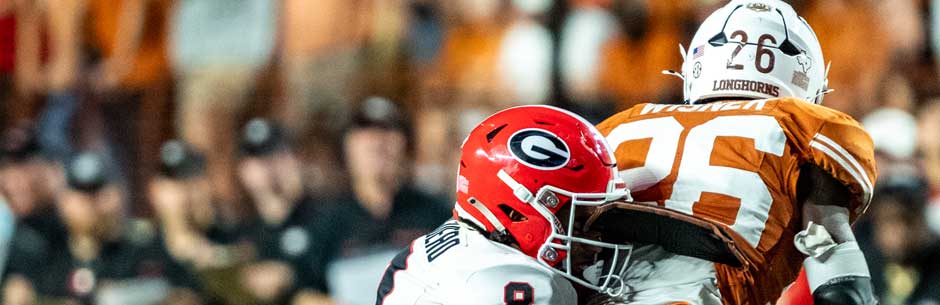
523	173
752	178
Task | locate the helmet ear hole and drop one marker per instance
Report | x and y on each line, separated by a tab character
514	216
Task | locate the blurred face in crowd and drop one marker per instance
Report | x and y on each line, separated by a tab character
278	173
18	186
898	231
28	184
186	200
99	214
375	155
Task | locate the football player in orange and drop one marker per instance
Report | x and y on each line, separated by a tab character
747	182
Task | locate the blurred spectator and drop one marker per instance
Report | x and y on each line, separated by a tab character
7	53
586	29
524	62
381	211
468	60
612	52
929	141
47	57
319	56
907	256
29	183
905	19
894	133
466	82
105	258
330	52
130	83
288	266
28	179
193	228
425	34
896	91
643	46
855	74
929	146
218	49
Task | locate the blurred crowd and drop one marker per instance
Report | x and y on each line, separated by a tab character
280	152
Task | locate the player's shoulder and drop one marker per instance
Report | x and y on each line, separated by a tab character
480	271
475	252
795	106
460	247
624	116
710	109
778	106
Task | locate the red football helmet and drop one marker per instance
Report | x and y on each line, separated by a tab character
521	166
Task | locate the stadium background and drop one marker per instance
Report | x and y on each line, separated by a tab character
366	102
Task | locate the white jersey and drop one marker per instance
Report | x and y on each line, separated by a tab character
456	264
657	276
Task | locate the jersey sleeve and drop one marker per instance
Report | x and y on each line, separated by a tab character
517	284
839	145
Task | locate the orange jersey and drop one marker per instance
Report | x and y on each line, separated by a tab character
737	163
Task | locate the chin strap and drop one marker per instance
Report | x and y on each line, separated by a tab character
518	189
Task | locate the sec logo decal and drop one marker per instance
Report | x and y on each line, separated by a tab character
539	149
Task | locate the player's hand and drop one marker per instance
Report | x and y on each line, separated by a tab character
17	290
308	297
255	176
268	280
168	197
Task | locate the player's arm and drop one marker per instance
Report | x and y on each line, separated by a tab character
517	285
835	267
834	187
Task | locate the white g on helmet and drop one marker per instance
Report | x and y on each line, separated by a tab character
754	49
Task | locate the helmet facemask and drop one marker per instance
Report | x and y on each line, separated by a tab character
564	243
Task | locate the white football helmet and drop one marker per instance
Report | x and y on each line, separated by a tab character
754	49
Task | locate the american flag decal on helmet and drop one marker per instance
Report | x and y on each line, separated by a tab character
698	52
